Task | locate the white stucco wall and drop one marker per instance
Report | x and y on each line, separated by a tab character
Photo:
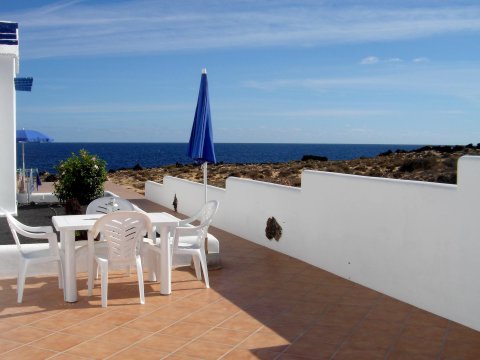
7	132
418	242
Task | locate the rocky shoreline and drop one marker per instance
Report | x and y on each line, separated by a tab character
429	163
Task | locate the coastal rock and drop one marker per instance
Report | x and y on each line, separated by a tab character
433	164
314	157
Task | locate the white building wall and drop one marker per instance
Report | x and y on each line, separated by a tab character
7	133
418	242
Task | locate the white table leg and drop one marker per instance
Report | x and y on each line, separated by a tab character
166	263
67	239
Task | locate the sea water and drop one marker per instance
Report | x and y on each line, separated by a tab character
45	156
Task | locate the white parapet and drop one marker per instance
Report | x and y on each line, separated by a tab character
415	241
8	70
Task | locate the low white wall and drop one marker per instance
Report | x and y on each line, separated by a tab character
8	144
418	242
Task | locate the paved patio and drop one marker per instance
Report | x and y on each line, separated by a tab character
261	305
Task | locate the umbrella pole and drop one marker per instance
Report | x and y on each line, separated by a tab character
205	179
23	164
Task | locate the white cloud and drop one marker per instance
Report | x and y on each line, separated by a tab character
315	83
112	108
394	60
421	60
459	81
128	27
370	60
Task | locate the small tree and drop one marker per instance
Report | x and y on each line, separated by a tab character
80	177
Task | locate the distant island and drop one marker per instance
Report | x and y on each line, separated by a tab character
428	163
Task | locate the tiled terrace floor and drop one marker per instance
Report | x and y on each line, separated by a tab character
261	305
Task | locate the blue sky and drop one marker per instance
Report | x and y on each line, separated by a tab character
306	71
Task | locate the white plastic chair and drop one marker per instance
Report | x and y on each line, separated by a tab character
108	204
105	205
122	232
32	257
190	240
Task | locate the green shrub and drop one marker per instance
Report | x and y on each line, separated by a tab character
80	177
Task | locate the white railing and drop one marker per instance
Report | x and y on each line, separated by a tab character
418	242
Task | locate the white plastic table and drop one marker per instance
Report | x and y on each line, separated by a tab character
68	224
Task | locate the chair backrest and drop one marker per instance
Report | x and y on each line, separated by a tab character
208	211
123	231
15	226
108	204
33	232
201	231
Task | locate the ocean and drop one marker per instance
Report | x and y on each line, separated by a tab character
45	156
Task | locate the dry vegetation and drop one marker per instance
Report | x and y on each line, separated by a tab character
433	164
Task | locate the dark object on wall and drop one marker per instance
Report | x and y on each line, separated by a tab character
273	229
175	203
137	167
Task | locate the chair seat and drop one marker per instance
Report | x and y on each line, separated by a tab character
187	241
101	253
43	252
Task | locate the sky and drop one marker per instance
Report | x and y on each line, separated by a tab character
306	71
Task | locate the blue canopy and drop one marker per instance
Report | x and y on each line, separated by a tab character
200	146
23	84
24	136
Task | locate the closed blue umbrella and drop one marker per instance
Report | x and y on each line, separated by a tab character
24	136
200	146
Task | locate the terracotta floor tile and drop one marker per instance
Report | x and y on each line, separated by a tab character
424	332
90	328
209	317
24	334
150	323
294	357
387	315
96	349
174	311
289	332
266	339
405	355
139	353
461	350
7	345
6	325
421	317
357	354
62	320
164	343
187	330
242	322
461	333
59	341
117	318
65	356
225	336
371	340
28	353
124	335
204	350
424	347
308	346
241	354
329	334
389	327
